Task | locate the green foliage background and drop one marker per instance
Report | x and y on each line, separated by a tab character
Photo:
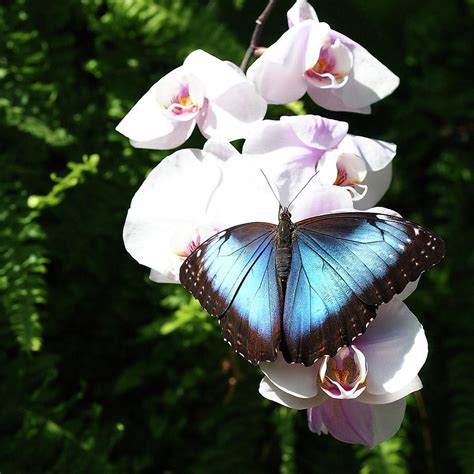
104	372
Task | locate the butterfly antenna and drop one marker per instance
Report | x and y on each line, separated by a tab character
270	186
302	189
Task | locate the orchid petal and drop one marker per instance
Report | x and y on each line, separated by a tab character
303	132
315	201
315	422
270	391
377	183
300	12
295	379
233	114
220	148
218	76
409	289
180	133
411	387
327	167
146	120
395	348
377	153
353	422
231	205
318	132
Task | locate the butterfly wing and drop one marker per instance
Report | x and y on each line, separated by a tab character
343	267
233	275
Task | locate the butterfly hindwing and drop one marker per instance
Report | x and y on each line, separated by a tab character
343	267
233	275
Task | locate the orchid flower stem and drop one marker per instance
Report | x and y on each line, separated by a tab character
426	432
254	42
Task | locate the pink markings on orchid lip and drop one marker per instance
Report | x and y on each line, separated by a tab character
343	376
341	179
185	242
191	246
343	371
182	102
324	65
332	67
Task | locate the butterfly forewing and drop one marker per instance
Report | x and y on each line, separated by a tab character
343	267
233	275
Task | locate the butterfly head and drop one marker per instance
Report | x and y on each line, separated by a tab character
285	214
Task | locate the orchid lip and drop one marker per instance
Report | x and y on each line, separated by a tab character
333	66
343	376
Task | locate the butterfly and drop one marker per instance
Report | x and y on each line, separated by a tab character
306	288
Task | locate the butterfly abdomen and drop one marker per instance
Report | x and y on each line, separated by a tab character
283	262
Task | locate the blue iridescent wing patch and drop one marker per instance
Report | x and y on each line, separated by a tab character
233	275
343	267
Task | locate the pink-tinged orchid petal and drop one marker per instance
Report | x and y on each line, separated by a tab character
300	12
171	205
317	132
395	348
353	422
368	82
315	422
294	379
279	73
316	201
270	391
411	387
296	136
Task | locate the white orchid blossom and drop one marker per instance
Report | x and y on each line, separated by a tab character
303	145
357	395
205	91
335	71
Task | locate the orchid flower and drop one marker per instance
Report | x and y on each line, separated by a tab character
335	71
205	91
358	395
303	145
193	194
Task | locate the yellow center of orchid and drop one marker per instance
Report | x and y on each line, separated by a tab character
185	101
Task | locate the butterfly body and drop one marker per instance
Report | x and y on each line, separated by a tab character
283	244
306	288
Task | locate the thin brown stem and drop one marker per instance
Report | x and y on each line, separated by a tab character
426	432
257	32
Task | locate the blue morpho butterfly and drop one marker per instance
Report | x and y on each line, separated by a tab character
305	288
